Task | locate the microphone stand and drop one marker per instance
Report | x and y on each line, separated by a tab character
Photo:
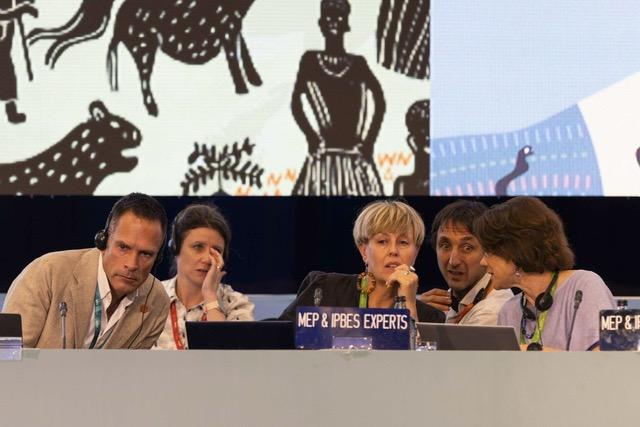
63	317
577	299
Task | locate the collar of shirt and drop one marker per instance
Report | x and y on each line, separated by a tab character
170	288
105	297
470	296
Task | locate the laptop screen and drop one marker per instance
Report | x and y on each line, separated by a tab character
10	325
241	335
467	337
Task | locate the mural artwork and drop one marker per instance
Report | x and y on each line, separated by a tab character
347	106
403	37
417	121
190	31
207	164
80	161
10	18
325	86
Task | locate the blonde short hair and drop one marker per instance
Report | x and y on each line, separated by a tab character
388	216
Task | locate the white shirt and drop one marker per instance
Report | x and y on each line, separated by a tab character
233	304
107	326
486	311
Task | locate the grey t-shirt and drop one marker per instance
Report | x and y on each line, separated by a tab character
586	331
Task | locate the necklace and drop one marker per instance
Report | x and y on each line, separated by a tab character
325	64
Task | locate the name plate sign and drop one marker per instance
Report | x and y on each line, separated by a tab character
352	328
620	329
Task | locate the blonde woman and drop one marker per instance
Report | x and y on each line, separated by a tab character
388	235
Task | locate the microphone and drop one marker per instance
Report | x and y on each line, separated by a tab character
577	299
317	297
63	316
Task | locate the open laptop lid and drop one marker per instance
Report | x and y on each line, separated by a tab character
240	335
467	337
10	325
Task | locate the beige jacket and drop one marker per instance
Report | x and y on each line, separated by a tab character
71	276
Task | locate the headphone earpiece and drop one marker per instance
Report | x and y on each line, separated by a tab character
172	247
544	301
100	239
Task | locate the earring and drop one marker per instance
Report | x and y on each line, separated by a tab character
366	281
518	274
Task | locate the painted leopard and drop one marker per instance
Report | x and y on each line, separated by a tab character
79	162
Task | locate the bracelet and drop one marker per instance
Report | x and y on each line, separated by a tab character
211	306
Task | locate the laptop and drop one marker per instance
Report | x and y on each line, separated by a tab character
466	337
10	325
241	335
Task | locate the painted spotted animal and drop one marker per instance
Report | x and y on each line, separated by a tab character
189	31
79	162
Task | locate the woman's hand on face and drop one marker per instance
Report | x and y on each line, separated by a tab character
406	279
215	274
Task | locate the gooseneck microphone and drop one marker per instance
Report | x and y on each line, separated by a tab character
63	316
577	299
317	297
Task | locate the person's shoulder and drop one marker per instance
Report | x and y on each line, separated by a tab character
358	61
154	290
587	275
590	283
169	285
512	303
583	279
500	294
338	282
329	276
64	258
309	57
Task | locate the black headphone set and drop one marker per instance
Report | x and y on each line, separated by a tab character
102	237
543	302
171	244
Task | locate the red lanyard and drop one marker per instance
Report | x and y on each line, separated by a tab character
468	308
177	337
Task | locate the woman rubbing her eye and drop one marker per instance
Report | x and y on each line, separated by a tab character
199	242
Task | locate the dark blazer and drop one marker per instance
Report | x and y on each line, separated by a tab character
340	290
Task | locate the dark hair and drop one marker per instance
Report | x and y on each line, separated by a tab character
339	5
417	117
142	206
195	216
528	233
460	212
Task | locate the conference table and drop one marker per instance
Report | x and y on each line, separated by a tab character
317	388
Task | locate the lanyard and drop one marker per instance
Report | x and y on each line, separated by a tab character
540	319
483	293
97	303
174	325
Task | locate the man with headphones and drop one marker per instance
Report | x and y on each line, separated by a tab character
102	297
470	300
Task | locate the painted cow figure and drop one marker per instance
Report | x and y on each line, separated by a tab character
190	31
